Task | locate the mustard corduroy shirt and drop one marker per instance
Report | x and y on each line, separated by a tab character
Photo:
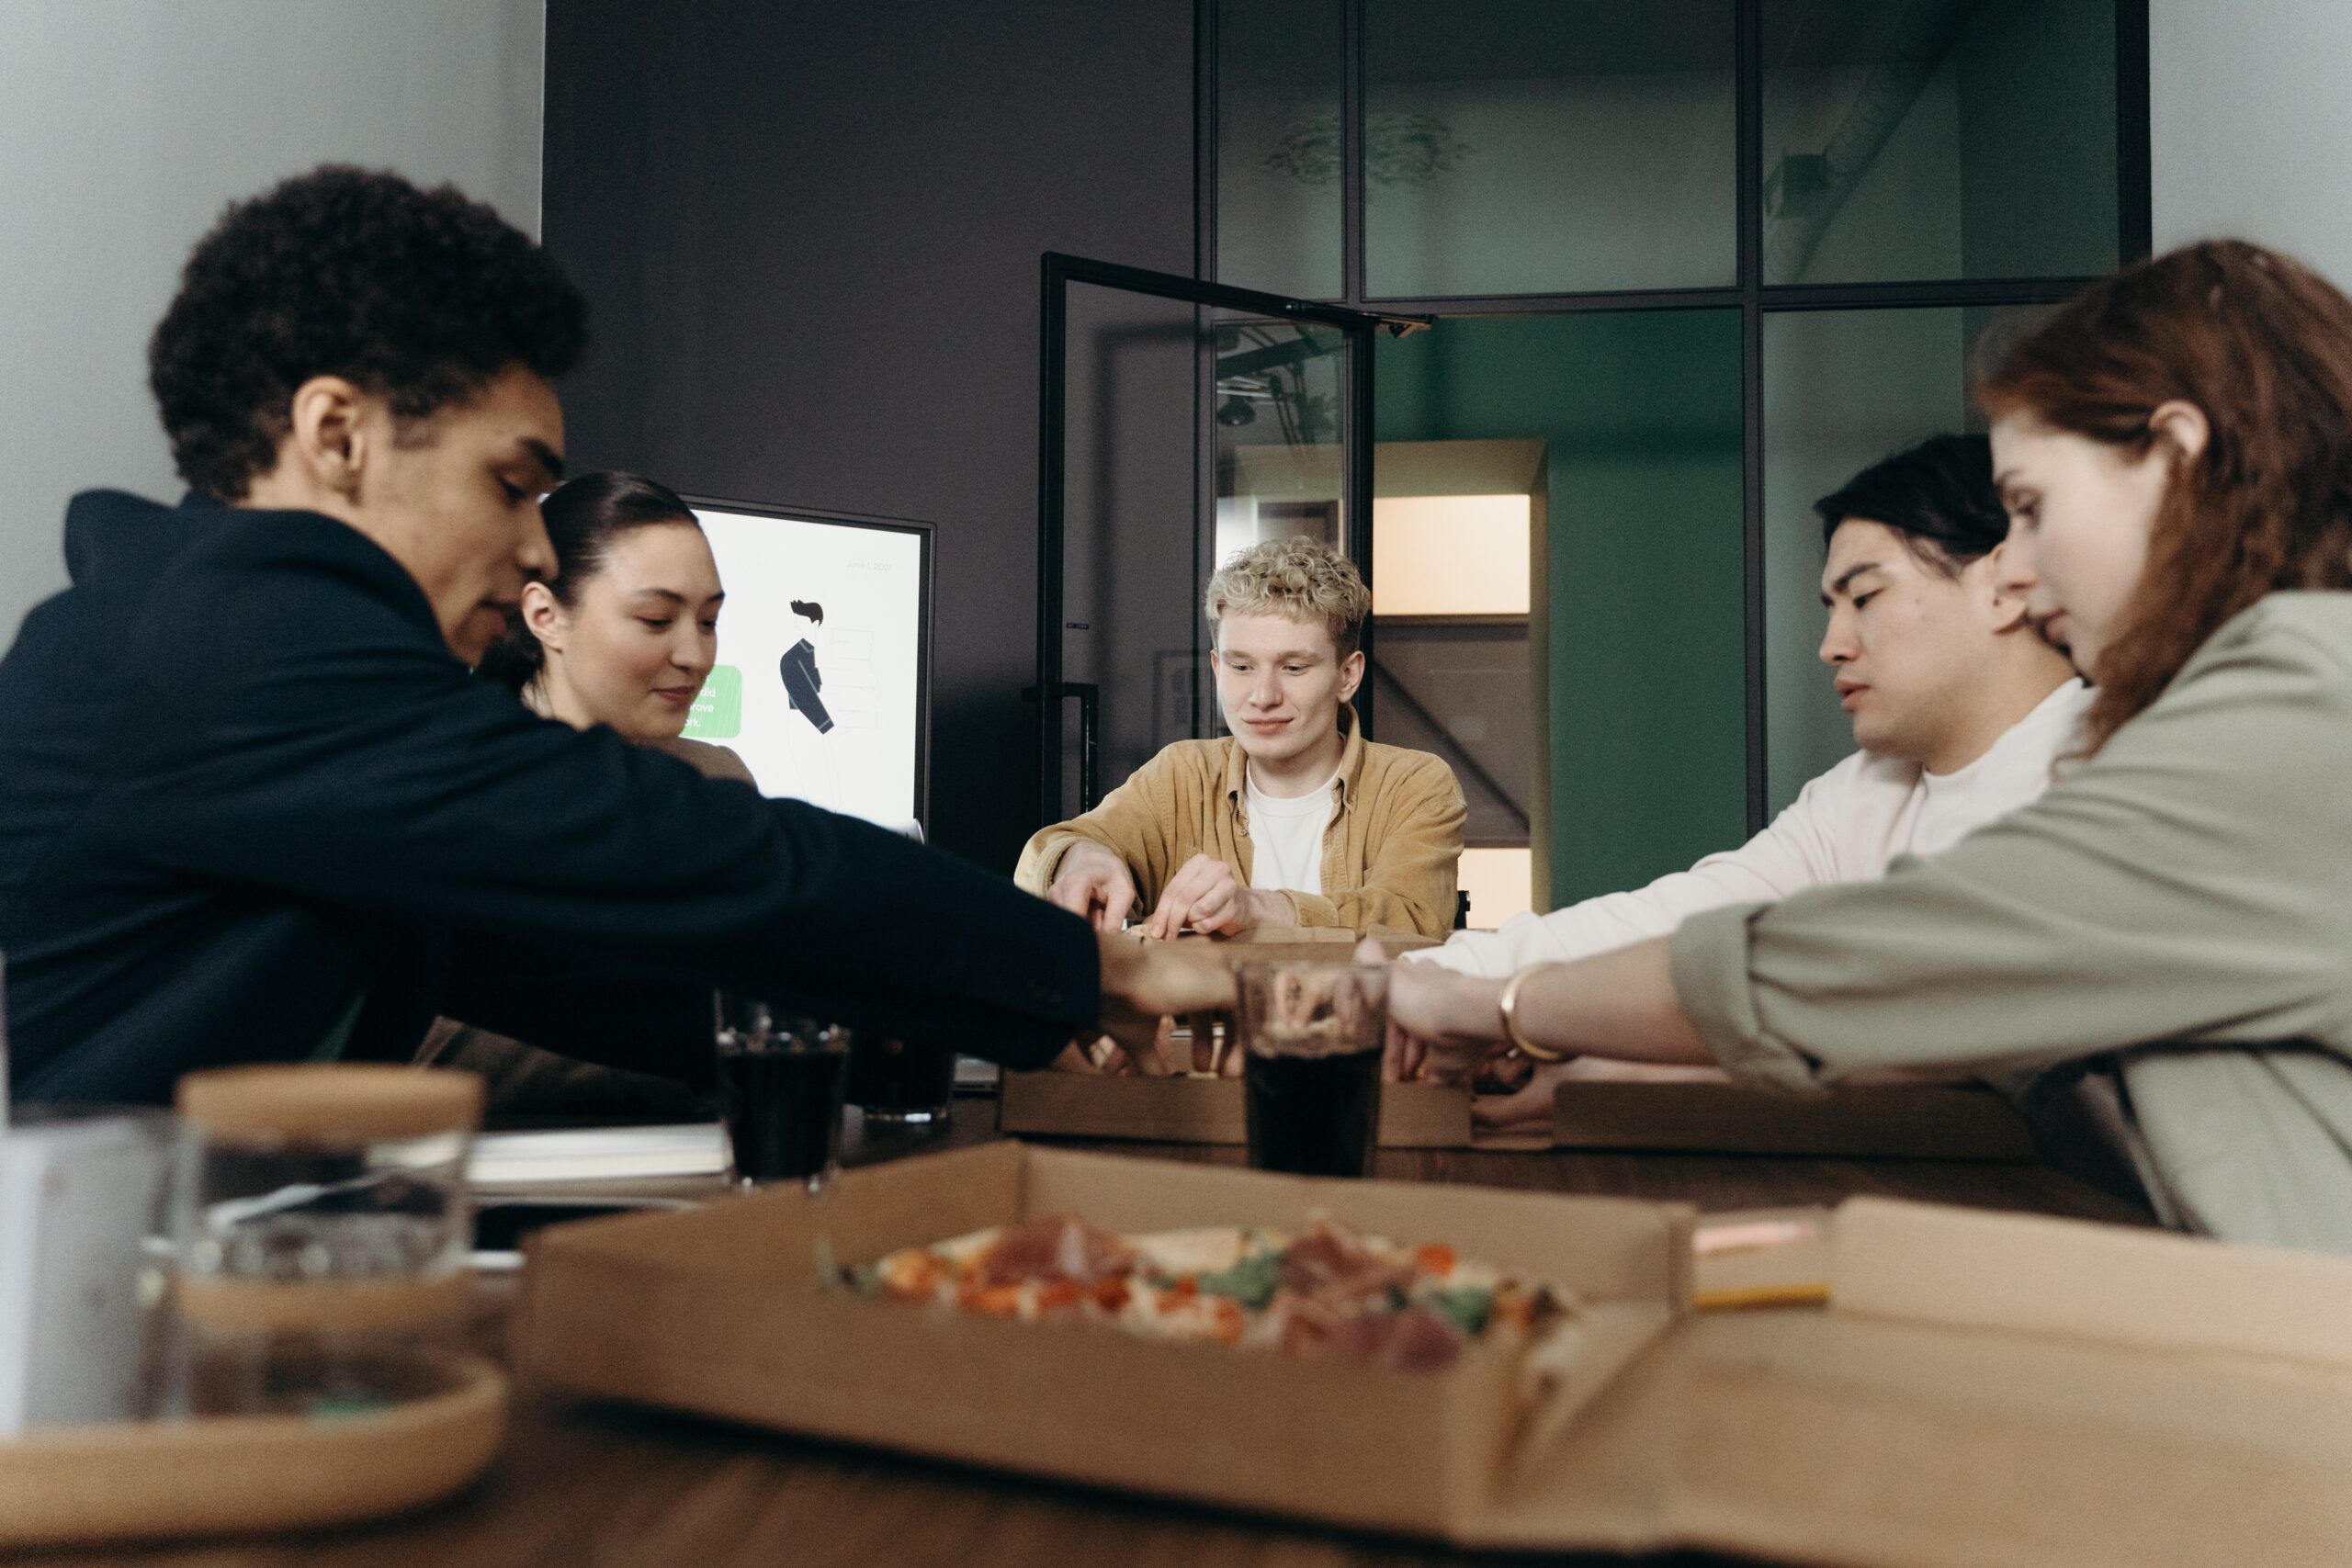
1391	847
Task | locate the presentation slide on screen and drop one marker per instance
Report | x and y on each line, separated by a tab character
819	676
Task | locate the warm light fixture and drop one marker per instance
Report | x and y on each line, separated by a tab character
1450	555
1500	882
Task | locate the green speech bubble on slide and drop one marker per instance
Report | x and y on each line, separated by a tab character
718	713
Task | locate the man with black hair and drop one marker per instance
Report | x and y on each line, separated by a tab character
1960	708
255	806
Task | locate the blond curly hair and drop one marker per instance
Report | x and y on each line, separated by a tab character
1299	578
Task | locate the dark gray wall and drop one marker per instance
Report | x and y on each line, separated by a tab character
811	235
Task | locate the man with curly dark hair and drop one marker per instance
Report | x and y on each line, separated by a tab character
255	806
318	333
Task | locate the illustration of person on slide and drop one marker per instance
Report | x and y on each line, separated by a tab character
802	681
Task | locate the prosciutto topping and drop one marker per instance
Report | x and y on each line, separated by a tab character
1325	1292
1058	1248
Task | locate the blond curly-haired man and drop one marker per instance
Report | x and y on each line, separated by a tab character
1291	819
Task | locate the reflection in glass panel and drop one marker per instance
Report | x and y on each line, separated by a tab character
1278	152
1280	406
1545	146
1138	540
1842	389
1130	538
1637	705
1939	139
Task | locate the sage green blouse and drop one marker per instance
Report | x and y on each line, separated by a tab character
2179	907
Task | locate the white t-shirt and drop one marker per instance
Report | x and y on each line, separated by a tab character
1286	838
1848	824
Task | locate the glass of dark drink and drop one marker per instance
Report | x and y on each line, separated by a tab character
1311	1033
898	1085
780	1080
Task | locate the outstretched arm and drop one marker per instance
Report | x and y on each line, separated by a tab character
1618	1004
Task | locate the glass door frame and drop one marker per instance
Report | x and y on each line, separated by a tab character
1057	272
1749	293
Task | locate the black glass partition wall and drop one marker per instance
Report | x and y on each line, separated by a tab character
1179	421
1824	199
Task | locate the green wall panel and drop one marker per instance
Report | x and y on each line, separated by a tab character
1644	570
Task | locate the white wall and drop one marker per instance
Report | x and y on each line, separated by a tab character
2250	125
125	125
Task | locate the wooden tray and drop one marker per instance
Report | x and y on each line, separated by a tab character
148	1480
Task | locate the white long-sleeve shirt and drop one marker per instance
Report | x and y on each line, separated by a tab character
1849	825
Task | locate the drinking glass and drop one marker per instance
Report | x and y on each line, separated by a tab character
320	1227
1311	1033
898	1085
780	1081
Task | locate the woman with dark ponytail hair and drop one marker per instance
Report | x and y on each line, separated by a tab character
2162	939
627	629
624	635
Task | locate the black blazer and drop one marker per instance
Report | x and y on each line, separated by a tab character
244	783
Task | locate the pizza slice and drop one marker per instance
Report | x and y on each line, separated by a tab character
1325	1291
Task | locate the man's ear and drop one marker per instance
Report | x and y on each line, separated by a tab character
543	616
329	441
2007	610
1350	675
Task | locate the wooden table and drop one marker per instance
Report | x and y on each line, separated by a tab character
601	1486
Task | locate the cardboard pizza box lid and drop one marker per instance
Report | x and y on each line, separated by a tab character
1189	1108
1853	1122
1985	1389
1858	1123
2073	1278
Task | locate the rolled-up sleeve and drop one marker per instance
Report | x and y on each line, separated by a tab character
1708	961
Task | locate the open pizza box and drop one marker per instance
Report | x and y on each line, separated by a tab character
1859	1121
721	1310
1984	1389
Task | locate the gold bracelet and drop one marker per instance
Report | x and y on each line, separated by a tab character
1510	1003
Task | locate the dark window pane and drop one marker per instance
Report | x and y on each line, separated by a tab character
1547	146
1281	413
1636	628
1842	389
1278	146
1129	536
1938	139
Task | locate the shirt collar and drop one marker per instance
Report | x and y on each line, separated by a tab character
1351	759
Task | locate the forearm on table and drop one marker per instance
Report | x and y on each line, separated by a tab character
1618	1005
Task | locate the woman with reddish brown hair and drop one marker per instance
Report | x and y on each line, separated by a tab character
2167	935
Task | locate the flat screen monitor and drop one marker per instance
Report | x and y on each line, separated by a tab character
823	680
